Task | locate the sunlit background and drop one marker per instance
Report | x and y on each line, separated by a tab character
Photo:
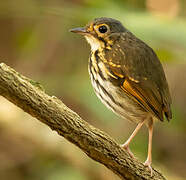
35	40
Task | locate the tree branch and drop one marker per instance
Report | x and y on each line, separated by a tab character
30	97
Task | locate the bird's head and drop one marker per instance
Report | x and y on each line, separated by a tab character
100	32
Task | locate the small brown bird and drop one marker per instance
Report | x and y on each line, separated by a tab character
127	76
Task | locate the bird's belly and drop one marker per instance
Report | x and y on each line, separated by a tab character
115	99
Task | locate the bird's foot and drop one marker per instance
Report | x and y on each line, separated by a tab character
126	147
148	164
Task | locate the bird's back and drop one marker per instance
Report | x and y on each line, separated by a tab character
141	67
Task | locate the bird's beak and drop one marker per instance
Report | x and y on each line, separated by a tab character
79	30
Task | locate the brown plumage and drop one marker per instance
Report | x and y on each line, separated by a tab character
144	74
127	76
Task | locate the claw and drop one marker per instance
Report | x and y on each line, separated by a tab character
148	164
126	147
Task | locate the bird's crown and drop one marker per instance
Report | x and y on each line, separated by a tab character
105	25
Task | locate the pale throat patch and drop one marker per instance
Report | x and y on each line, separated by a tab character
94	43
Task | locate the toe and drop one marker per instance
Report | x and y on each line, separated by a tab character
128	150
148	164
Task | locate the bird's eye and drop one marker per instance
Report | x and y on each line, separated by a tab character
102	29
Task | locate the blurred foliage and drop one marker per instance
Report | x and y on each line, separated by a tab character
35	40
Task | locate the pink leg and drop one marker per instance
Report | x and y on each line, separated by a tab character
127	143
149	156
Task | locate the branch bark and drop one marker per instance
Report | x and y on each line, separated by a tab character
29	96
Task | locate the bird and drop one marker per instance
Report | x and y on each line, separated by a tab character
127	76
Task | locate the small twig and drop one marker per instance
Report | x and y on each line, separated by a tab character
30	97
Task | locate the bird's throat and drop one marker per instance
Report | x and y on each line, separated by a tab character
94	43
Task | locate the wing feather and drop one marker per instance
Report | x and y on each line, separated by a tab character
144	78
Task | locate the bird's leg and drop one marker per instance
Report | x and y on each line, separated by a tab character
126	144
149	156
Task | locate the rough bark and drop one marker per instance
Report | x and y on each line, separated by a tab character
29	96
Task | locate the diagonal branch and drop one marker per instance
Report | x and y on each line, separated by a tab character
27	95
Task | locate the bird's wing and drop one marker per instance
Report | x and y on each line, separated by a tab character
144	78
